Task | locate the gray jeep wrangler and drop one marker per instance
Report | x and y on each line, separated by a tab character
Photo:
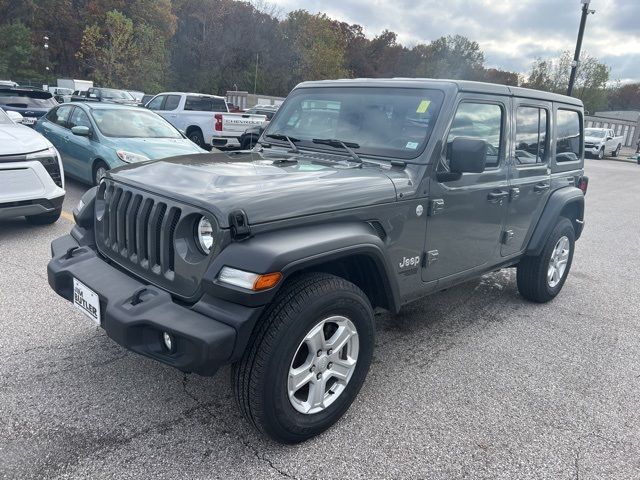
360	194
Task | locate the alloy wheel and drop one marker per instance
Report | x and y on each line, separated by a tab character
558	261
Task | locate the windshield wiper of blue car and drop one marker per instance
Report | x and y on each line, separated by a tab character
332	142
292	141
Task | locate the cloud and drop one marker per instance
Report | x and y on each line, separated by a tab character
512	33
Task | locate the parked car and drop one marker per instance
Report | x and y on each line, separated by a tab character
267	110
204	118
137	95
106	95
61	94
31	175
8	83
95	137
600	141
367	193
31	104
144	100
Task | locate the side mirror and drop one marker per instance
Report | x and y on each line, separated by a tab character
468	155
81	131
15	116
609	138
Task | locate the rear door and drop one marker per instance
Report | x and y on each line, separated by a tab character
169	110
466	215
529	172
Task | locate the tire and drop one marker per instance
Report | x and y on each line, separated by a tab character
45	218
601	153
616	151
248	143
195	135
533	272
279	344
99	169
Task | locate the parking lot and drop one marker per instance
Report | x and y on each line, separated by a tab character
473	382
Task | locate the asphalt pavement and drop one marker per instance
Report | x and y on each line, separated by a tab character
473	382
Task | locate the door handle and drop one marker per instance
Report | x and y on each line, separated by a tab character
541	187
497	196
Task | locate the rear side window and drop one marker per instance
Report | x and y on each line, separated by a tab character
568	136
205	104
482	121
172	102
531	135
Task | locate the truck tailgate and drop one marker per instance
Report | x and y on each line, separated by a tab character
234	124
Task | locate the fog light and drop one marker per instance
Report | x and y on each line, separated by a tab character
168	341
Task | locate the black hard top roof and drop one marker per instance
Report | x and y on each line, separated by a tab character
446	84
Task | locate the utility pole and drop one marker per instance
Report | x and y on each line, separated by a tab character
45	45
576	55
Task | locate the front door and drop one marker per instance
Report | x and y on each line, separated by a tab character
467	214
80	149
530	176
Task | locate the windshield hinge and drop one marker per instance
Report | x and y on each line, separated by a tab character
239	223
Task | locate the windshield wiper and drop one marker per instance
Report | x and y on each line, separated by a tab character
291	140
332	142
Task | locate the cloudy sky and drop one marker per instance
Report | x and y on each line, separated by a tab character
512	33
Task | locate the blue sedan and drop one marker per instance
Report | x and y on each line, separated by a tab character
95	137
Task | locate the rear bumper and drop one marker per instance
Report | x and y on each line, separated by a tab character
202	343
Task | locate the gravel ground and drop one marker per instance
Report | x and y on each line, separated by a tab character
473	382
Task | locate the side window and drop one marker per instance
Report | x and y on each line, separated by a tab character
531	135
482	121
205	104
568	136
61	115
79	119
156	103
172	102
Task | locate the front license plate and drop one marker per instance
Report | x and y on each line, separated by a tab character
86	300
29	120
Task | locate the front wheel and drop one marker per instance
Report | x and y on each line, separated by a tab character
307	358
99	171
601	153
541	278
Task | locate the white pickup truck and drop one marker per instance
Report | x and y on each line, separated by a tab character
599	142
205	119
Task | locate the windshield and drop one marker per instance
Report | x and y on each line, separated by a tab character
127	123
4	118
26	100
391	122
116	94
593	132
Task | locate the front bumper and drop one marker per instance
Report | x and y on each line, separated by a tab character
202	343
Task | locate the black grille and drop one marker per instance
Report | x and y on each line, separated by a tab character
139	229
53	169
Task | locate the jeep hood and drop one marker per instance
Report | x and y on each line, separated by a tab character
267	187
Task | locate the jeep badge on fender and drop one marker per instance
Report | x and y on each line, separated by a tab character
273	260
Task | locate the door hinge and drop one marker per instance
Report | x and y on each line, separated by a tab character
507	235
436	206
432	256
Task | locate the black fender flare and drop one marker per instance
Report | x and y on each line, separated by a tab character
558	202
293	249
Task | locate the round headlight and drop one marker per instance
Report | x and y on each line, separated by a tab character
205	235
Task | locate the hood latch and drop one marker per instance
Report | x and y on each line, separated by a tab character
239	223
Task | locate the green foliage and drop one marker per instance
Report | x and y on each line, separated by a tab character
15	50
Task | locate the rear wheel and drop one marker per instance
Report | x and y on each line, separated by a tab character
45	218
541	278
99	171
195	135
307	358
616	151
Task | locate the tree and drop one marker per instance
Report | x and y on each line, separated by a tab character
15	51
624	97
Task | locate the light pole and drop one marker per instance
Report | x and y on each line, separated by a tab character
576	55
45	39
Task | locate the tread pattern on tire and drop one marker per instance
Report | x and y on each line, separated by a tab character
291	299
531	272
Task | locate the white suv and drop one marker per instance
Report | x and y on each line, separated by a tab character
31	175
